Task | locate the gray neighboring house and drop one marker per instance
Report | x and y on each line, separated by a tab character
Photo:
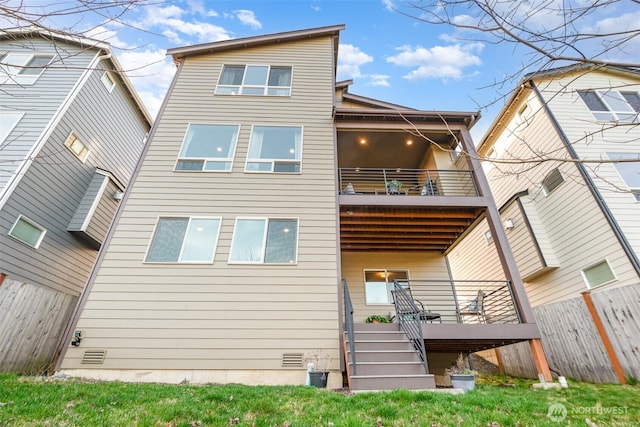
71	131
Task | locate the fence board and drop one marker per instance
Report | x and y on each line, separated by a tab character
33	320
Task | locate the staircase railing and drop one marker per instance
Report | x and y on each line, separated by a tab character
348	321
408	317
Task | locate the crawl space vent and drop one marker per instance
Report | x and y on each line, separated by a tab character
292	360
93	357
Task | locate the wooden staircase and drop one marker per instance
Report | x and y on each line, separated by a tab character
386	360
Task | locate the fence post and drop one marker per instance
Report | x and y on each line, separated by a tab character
604	337
2	277
540	359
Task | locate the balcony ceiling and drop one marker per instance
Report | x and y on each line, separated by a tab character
398	228
385	149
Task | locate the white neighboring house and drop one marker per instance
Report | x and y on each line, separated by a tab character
71	131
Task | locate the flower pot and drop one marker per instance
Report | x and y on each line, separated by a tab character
319	378
464	381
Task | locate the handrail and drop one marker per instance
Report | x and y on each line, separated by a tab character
348	320
407	314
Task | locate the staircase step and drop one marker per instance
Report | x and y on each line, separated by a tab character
386	356
379	335
383	327
362	345
392	382
389	368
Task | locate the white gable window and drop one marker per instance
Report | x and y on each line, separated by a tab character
612	105
378	285
552	181
24	68
27	232
264	241
275	149
184	239
208	148
629	171
8	121
598	274
254	80
108	81
77	147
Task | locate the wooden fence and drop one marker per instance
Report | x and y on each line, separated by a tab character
572	343
32	321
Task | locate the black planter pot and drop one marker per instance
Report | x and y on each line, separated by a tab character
319	378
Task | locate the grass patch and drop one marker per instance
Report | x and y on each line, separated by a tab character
497	401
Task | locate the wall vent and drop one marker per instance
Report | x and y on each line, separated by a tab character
292	360
94	357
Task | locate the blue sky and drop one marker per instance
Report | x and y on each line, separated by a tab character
388	55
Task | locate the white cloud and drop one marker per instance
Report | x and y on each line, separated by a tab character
169	20
612	25
107	35
247	17
388	4
350	58
378	80
443	62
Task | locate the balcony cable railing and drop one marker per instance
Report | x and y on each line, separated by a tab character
348	321
408	317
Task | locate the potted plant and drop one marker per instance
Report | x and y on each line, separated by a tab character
394	186
461	376
318	363
377	318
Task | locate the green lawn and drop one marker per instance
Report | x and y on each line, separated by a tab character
497	401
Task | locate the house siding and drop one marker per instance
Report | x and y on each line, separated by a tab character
220	316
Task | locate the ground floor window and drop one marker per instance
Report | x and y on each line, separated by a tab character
378	284
598	274
27	232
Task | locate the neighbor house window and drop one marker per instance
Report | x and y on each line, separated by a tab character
208	148
598	274
378	284
612	105
108	81
629	171
488	237
27	232
275	149
552	181
184	239
265	241
77	147
8	121
254	80
24	68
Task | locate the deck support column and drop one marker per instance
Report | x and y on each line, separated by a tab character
540	359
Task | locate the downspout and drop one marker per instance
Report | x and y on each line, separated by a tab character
626	247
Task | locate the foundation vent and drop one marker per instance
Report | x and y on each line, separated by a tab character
292	360
93	357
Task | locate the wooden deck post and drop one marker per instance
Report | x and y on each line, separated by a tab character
540	359
499	360
2	277
604	337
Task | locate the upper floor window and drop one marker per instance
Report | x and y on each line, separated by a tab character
77	147
208	148
612	105
378	285
254	80
27	231
629	171
553	179
8	121
108	81
184	239
265	241
275	149
24	68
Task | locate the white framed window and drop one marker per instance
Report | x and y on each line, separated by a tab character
598	274
254	80
108	81
184	240
378	284
628	171
612	105
8	121
551	181
77	147
27	232
208	148
264	241
275	149
488	237
24	68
